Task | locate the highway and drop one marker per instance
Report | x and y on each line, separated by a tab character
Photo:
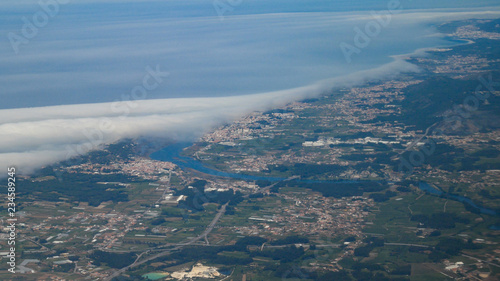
209	229
204	235
405	244
267	188
490	263
415	142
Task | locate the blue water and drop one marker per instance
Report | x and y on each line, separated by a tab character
172	153
155	275
427	188
97	51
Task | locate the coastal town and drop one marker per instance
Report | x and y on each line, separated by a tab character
321	172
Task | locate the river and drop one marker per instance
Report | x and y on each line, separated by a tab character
172	153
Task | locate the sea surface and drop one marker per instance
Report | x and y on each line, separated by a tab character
79	74
99	51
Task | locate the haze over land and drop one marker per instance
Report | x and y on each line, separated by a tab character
87	60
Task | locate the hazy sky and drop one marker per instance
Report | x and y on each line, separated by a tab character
186	58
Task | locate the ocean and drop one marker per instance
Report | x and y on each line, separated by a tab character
76	75
74	52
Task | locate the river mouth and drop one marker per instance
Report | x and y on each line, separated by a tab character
172	153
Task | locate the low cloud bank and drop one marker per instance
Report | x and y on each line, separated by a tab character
33	137
80	62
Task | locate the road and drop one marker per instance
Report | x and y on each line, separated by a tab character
204	235
262	190
471	257
209	228
415	142
404	244
165	188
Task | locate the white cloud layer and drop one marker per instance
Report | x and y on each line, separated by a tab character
89	55
33	137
